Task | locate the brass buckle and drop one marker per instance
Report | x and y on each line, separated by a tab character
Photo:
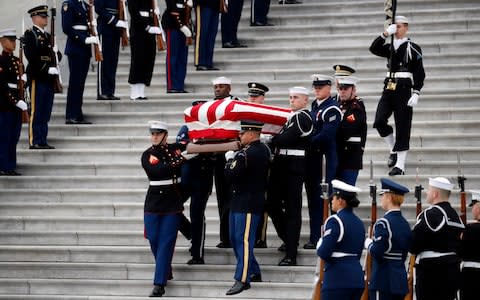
391	85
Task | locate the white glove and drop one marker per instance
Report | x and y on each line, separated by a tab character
156	11
154	30
265	138
367	242
229	155
413	100
92	40
187	155
24	77
121	24
391	29
53	71
55	49
22	105
186	31
190	3
319	243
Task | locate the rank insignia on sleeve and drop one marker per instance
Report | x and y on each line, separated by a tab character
153	160
351	118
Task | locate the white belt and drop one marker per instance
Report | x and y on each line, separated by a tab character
471	264
342	254
431	254
13	85
355	139
292	152
144	14
165	182
80	27
400	75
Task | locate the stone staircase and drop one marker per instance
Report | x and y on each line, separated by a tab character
71	227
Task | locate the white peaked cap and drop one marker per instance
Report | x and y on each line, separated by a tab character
221	80
298	90
441	183
8	32
401	19
342	186
156	126
347	80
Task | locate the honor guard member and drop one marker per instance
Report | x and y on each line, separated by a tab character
175	24
326	116
229	24
41	70
392	238
164	201
436	242
11	106
287	174
142	46
339	72
78	50
401	91
109	31
256	92
206	25
341	246
246	171
258	13
352	132
470	252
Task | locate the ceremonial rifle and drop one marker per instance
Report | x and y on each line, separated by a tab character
463	195
188	22
317	289
411	263
92	28
373	219
390	11
21	71
57	79
122	15
156	22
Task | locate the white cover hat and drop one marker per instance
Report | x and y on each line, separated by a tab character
401	19
347	80
221	80
157	126
298	90
441	183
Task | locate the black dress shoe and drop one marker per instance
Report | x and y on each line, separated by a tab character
287	261
102	97
176	91
238	287
392	160
282	247
75	121
260	24
46	146
289	2
238	45
256	278
158	291
113	97
396	171
224	245
205	68
228	45
261	244
10	173
309	245
139	98
196	261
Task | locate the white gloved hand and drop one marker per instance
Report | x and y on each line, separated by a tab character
55	49
53	71
319	243
22	105
413	100
121	24
156	11
190	3
187	155
229	155
92	40
24	77
391	29
265	138
367	242
154	30
186	31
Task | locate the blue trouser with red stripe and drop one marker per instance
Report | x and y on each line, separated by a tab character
176	63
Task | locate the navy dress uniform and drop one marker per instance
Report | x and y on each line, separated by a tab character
436	242
175	24
79	52
41	70
287	175
229	24
341	246
247	174
163	203
470	253
206	28
392	239
351	134
11	105
109	31
258	13
326	116
406	75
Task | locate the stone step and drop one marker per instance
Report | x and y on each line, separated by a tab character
118	297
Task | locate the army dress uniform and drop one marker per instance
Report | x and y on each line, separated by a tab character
229	24
436	242
258	12
206	26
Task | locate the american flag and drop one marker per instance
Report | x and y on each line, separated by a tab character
220	119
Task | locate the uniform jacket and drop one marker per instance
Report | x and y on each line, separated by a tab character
74	22
9	76
296	132
39	53
107	11
470	245
141	15
392	238
352	135
247	173
213	4
326	118
174	15
341	249
163	163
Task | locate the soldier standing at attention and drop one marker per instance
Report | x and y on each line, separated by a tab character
352	131
142	46
470	252
401	91
342	245
11	106
206	26
164	202
392	238
436	242
41	70
109	27
246	170
78	49
229	26
258	13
